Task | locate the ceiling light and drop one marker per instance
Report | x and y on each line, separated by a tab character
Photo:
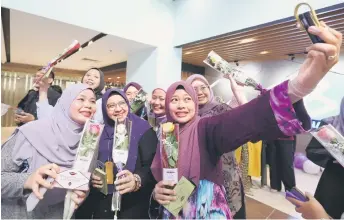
189	52
89	43
109	78
247	40
80	49
264	52
118	77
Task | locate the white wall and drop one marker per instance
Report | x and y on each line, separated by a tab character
155	68
200	19
324	101
145	21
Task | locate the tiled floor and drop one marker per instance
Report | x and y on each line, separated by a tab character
265	204
258	210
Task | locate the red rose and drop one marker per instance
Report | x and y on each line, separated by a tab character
326	135
94	129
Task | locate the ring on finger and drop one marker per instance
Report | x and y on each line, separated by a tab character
332	57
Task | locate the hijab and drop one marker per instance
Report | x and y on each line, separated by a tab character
99	89
142	112
60	135
211	102
139	127
134	84
188	155
338	121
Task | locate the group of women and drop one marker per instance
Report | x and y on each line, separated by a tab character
209	133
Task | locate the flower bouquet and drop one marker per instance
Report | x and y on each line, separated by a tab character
85	156
219	64
120	152
169	147
332	140
139	101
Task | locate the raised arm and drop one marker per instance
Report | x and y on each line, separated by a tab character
279	112
267	117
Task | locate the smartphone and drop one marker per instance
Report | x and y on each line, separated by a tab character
308	19
295	193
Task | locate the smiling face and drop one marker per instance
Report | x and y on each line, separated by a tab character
131	93
117	108
182	107
158	102
92	78
202	91
83	107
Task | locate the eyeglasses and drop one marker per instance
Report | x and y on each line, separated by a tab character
200	88
112	106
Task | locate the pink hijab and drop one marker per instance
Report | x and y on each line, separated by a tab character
212	102
189	155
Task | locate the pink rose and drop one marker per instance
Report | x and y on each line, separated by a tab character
94	129
326	135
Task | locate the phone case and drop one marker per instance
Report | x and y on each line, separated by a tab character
295	193
307	21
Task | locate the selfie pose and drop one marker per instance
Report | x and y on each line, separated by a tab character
278	113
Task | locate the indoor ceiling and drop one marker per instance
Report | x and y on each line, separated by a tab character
36	40
264	42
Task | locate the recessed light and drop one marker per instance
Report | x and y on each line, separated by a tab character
189	52
264	52
109	78
118	77
247	40
89	43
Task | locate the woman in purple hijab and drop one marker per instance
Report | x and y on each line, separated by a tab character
208	107
330	191
38	149
131	90
137	182
202	141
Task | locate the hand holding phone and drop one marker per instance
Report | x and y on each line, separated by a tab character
295	193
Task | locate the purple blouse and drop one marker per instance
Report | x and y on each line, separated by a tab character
268	117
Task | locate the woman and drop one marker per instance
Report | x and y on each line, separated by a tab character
131	90
40	149
330	190
158	113
94	78
203	141
208	106
138	183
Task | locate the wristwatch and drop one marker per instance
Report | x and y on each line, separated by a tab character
138	182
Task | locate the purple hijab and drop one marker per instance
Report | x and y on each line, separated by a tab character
134	84
60	135
189	155
212	102
338	121
139	127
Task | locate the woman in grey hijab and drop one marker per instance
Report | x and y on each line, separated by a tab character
38	150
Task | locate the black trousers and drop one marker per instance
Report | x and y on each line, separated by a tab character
281	160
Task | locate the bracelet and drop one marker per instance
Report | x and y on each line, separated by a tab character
138	182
